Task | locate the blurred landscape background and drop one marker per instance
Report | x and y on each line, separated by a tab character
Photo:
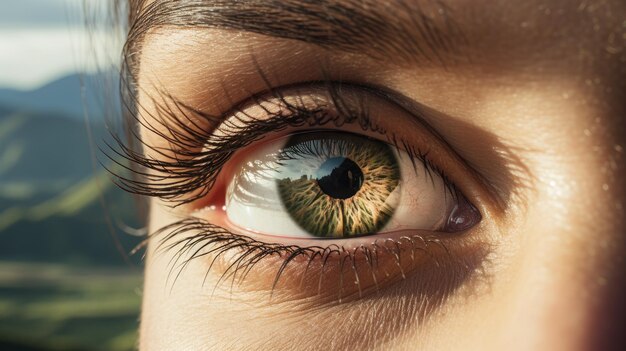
65	283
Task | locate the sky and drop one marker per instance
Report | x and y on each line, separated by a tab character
41	40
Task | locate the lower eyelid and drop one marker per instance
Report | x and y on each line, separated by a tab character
319	275
217	216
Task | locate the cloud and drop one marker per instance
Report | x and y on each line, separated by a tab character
32	57
40	13
41	40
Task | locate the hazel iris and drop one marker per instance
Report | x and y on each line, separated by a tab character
338	185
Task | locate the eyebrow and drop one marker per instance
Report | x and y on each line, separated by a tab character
423	32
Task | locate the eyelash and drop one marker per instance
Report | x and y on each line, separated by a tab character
192	168
192	171
253	251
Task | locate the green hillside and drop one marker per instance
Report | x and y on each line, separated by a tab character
64	283
57	307
54	201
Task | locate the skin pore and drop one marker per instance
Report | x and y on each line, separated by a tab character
526	101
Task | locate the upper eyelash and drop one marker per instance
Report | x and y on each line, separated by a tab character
199	154
192	167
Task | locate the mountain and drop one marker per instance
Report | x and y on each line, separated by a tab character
69	96
45	148
56	203
65	282
5	110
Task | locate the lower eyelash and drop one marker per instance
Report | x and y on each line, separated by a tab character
213	242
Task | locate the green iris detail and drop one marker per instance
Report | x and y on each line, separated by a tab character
338	185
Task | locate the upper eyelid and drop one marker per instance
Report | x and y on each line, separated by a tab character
406	103
237	75
182	169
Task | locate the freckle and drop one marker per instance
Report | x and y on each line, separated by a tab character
612	50
611	38
613	165
605	187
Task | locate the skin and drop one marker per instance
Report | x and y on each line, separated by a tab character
538	110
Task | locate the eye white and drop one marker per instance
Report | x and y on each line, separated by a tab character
253	200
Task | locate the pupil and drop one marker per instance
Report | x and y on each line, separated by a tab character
339	177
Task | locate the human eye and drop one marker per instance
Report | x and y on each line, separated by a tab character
334	184
322	183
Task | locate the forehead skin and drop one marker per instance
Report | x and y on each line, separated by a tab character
495	32
534	41
545	78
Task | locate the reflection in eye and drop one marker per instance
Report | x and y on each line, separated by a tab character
339	185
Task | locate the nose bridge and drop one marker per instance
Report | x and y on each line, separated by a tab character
569	293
